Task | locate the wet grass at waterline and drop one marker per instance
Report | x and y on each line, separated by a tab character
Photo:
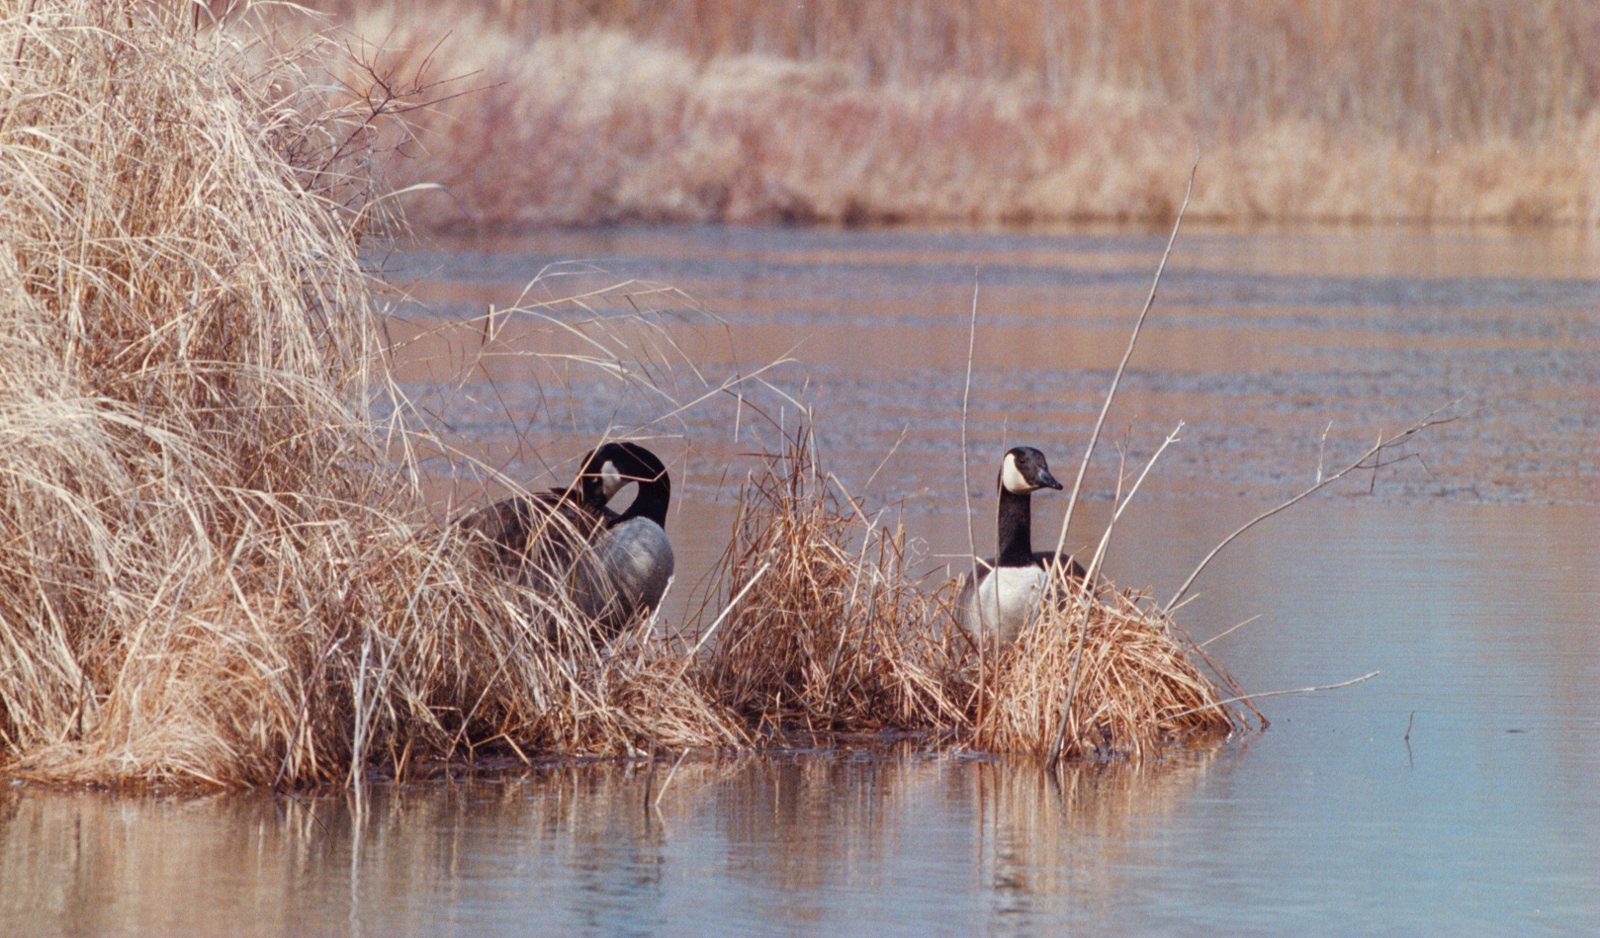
214	567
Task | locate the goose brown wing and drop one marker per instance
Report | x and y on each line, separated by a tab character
548	528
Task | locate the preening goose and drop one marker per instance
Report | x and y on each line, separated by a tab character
636	560
613	565
1006	593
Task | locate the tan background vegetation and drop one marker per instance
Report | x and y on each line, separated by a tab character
741	110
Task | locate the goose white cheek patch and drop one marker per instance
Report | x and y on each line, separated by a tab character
1011	477
610	479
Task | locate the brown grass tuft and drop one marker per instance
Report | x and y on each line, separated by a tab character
826	629
1132	682
829	631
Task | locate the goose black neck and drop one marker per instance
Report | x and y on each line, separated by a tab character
1014	543
651	501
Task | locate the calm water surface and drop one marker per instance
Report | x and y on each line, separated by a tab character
1468	574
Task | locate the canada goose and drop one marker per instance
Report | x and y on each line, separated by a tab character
1007	589
636	560
612	564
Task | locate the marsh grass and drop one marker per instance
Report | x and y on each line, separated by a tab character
1119	669
826	629
216	562
740	110
185	346
210	569
830	631
1422	71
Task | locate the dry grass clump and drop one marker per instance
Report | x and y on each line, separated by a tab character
826	629
185	379
209	568
1126	680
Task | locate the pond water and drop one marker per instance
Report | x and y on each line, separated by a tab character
1452	792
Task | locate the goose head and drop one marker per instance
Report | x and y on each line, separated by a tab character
1023	470
607	468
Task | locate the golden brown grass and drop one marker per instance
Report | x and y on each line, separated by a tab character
828	632
739	110
826	629
212	566
1130	675
208	569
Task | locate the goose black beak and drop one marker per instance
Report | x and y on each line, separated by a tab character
1046	480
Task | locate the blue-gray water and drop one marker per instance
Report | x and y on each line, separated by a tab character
1469	577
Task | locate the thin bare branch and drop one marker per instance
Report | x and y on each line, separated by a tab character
1274	693
1361	462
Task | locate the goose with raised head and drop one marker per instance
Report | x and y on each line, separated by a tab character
612	564
1006	593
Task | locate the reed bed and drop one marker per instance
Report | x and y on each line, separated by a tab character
216	563
836	112
1422	71
210	568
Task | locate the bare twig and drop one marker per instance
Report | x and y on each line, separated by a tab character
1228	631
966	488
732	604
1275	693
1052	589
1111	392
1373	453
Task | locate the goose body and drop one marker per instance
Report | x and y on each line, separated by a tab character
1003	601
1005	594
635	564
539	539
611	565
634	555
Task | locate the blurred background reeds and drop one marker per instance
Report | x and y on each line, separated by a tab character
1005	111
